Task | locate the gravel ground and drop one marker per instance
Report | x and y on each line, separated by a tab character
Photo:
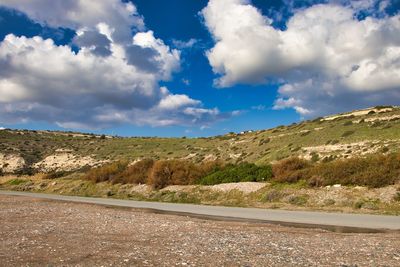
36	232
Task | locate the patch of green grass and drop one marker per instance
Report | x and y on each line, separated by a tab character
175	197
347	133
298	200
17	181
371	204
234	198
273	195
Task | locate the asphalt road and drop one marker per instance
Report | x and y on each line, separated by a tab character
341	222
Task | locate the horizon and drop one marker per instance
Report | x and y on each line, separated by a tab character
197	69
184	136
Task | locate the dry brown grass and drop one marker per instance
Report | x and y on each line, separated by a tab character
158	174
372	171
107	172
289	170
137	173
179	172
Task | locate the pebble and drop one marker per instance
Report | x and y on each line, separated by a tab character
90	235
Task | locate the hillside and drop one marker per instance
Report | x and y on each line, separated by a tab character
337	136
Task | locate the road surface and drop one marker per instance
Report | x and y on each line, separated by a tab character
341	222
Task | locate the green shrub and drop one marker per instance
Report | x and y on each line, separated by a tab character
243	172
314	157
347	133
298	200
274	195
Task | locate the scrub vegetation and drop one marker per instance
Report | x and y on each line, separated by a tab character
162	173
339	136
371	171
294	163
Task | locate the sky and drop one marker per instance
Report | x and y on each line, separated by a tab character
193	67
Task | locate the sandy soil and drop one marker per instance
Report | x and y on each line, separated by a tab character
245	187
11	162
65	161
48	233
358	113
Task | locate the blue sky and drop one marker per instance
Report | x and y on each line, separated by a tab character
222	65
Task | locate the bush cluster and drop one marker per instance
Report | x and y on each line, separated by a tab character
159	173
289	170
136	173
243	172
371	171
178	172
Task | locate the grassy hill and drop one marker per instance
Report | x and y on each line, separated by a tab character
338	136
317	164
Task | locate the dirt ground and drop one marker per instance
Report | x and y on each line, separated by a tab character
36	232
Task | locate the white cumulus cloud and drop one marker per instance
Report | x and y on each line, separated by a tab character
326	59
82	14
113	78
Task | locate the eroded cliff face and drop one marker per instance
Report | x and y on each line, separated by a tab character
59	161
10	163
64	161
